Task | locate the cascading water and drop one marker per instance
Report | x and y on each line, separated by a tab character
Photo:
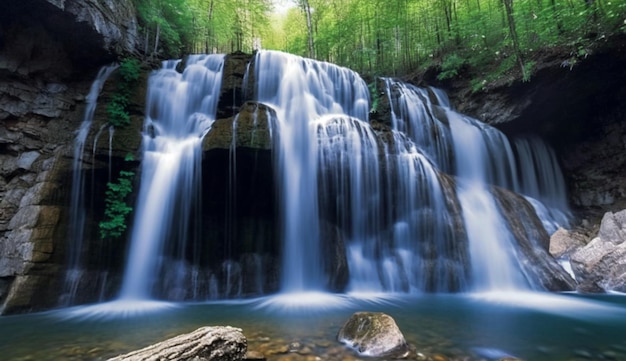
480	156
180	111
302	90
493	260
77	201
412	113
542	182
409	207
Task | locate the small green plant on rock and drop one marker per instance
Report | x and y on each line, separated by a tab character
117	109
117	208
375	96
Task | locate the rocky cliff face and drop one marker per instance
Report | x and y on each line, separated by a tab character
49	54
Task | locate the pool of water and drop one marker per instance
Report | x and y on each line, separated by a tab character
529	326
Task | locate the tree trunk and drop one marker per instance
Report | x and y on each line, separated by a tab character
156	39
508	6
309	25
206	343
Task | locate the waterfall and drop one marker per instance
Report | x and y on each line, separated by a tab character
414	114
493	259
542	182
414	204
180	111
77	201
480	157
301	90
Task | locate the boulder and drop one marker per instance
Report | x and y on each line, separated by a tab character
564	241
601	264
613	227
374	334
223	343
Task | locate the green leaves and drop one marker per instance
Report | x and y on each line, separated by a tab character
117	109
129	70
117	208
450	67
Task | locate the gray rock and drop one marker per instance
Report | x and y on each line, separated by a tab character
613	227
601	264
590	255
204	344
374	334
26	160
114	20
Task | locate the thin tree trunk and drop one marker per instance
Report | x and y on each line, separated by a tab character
309	24
156	39
557	16
508	6
147	40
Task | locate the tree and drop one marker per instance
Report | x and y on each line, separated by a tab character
306	8
508	5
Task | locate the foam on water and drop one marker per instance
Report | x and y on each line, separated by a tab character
117	309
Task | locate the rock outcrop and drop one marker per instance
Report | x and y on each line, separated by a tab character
204	344
49	53
532	242
601	264
374	334
55	38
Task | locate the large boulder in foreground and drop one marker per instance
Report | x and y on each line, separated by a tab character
601	264
374	334
223	343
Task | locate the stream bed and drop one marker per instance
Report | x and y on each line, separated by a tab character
488	326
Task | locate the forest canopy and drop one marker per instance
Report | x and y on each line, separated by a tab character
383	36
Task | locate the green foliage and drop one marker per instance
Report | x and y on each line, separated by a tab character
397	36
375	95
388	37
117	109
173	28
117	208
450	67
130	70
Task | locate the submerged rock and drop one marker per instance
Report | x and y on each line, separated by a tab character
374	334
223	343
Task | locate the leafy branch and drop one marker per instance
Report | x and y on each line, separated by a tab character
117	207
117	109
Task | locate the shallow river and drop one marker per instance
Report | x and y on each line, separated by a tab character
448	327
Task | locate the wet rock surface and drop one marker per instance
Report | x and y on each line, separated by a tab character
373	334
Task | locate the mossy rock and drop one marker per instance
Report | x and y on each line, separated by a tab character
374	334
